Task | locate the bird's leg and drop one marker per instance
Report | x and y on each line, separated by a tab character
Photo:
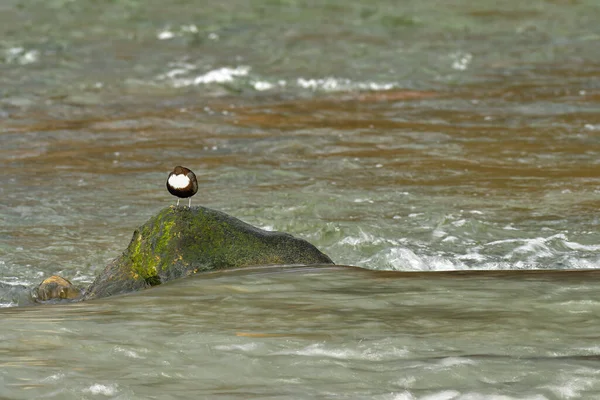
190	205
178	202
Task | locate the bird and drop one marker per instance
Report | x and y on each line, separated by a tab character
182	183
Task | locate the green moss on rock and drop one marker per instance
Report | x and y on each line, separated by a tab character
180	241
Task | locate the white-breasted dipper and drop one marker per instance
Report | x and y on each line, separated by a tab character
182	183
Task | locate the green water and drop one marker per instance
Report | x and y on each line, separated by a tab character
420	136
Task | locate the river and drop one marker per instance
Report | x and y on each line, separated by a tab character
408	140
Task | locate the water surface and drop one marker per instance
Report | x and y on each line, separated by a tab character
326	332
427	137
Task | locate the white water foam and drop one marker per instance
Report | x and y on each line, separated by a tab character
332	84
571	387
127	353
182	73
461	60
555	251
246	347
369	239
222	75
20	55
404	259
106	390
168	33
14	281
382	352
179	76
54	378
443	395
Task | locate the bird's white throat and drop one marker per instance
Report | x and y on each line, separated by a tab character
179	181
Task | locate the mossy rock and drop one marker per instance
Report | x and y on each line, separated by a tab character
180	241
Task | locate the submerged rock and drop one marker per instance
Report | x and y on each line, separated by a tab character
180	241
56	288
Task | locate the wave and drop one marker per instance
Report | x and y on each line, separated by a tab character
552	252
184	74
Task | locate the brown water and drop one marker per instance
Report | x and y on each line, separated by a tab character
426	137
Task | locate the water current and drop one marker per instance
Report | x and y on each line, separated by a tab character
451	150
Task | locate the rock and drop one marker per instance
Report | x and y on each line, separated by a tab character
180	241
56	288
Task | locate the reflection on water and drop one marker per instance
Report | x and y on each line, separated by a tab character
419	138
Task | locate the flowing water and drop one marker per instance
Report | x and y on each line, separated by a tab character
410	139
